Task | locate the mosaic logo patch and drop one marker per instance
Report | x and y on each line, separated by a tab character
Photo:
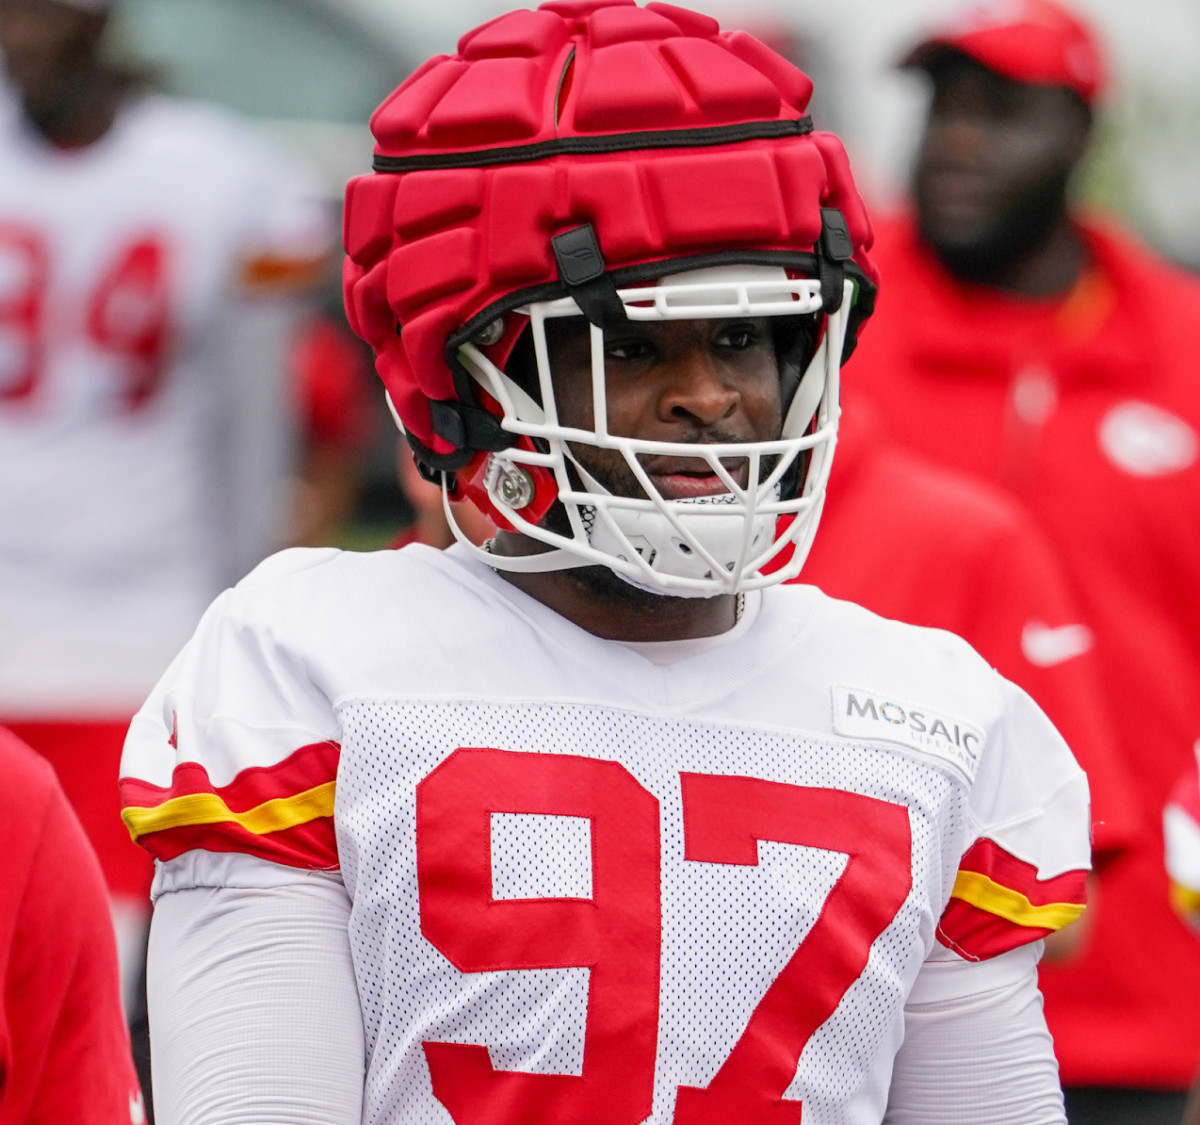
858	713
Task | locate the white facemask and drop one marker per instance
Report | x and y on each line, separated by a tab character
694	547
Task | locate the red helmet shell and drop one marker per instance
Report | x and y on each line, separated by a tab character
673	139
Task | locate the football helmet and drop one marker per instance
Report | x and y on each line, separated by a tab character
600	160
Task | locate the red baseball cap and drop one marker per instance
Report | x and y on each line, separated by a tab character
1035	41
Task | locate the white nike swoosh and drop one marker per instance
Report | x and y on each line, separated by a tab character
137	1109
1046	646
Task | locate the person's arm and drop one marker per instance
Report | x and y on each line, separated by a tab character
253	1003
1024	620
976	1047
228	780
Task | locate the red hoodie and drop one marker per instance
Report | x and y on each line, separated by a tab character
64	1050
1087	408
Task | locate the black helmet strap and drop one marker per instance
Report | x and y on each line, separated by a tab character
582	270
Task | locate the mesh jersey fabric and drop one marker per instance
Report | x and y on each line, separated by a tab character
1086	409
468	730
953	552
259	1070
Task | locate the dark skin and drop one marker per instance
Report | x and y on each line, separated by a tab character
703	382
52	57
991	179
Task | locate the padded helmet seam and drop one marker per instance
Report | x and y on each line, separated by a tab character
604	144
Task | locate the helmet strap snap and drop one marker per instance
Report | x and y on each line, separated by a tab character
834	248
581	269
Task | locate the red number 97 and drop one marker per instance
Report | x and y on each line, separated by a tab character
616	933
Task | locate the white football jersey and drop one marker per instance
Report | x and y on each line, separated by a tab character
144	414
592	886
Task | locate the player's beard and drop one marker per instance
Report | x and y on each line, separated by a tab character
610	469
1009	239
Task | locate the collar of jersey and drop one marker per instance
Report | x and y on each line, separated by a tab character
713	670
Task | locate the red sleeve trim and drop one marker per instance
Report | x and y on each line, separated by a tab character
999	903
283	813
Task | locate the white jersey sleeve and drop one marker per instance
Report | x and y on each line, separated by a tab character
1024	875
977	1050
243	1039
976	1046
235	751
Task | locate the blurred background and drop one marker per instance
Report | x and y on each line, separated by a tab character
312	70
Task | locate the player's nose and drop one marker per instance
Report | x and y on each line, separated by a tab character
693	389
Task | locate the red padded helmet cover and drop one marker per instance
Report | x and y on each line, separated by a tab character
469	218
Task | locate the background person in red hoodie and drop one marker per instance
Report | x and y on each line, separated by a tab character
64	1050
1052	354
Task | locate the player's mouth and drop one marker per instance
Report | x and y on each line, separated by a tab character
682	478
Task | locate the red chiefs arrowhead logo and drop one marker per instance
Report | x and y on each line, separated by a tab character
173	741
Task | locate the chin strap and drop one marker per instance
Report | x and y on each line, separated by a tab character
581	269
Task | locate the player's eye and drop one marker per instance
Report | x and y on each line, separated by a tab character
629	350
739	337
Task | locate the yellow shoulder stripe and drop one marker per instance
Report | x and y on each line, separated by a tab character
986	894
1185	900
207	808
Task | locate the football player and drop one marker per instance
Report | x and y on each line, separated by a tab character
155	256
599	822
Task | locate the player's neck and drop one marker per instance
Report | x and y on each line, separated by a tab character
601	603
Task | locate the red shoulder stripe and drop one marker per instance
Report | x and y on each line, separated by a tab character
999	903
282	813
986	857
